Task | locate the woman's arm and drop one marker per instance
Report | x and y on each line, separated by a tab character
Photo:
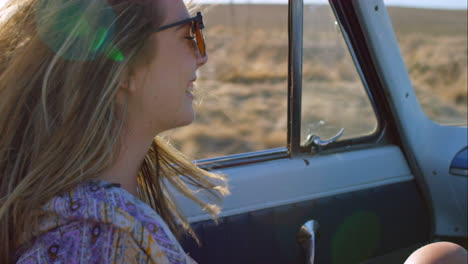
439	253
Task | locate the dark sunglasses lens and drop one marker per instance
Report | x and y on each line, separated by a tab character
200	39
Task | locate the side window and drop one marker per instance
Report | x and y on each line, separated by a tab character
333	95
241	94
433	43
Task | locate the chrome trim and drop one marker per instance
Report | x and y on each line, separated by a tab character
357	64
379	129
295	30
243	158
459	171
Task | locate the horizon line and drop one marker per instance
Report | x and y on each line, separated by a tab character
308	2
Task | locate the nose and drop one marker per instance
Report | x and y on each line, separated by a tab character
201	60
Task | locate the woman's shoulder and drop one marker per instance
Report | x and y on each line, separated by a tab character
99	220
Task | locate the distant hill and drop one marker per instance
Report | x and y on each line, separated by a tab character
430	21
405	20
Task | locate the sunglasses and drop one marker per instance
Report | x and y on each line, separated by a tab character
196	30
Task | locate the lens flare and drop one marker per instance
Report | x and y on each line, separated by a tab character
357	238
78	30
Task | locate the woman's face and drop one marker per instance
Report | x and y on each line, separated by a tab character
162	96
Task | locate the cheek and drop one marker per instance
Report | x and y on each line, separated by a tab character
168	75
162	92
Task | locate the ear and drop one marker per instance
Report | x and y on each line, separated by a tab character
127	82
124	87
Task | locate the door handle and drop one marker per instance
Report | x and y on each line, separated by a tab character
306	239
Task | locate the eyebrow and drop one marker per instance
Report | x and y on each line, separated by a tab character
179	27
179	24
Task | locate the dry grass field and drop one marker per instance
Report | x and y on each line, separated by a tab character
242	91
434	46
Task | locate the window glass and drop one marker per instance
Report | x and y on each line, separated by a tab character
433	43
333	95
241	93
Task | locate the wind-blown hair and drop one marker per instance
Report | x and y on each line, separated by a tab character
60	64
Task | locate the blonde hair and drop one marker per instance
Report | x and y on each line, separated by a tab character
60	123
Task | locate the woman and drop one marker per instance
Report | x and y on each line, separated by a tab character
84	88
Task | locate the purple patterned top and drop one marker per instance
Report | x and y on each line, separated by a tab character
98	222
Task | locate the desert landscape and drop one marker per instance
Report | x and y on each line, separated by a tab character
242	91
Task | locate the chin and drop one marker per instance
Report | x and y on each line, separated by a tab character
186	123
181	118
188	119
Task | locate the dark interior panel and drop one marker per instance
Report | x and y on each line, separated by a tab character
354	227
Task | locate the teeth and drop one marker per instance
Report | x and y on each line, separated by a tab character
189	88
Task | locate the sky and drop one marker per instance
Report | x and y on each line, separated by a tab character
439	4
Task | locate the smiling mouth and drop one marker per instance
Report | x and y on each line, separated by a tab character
190	88
190	94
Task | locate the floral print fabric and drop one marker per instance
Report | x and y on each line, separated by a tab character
99	222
